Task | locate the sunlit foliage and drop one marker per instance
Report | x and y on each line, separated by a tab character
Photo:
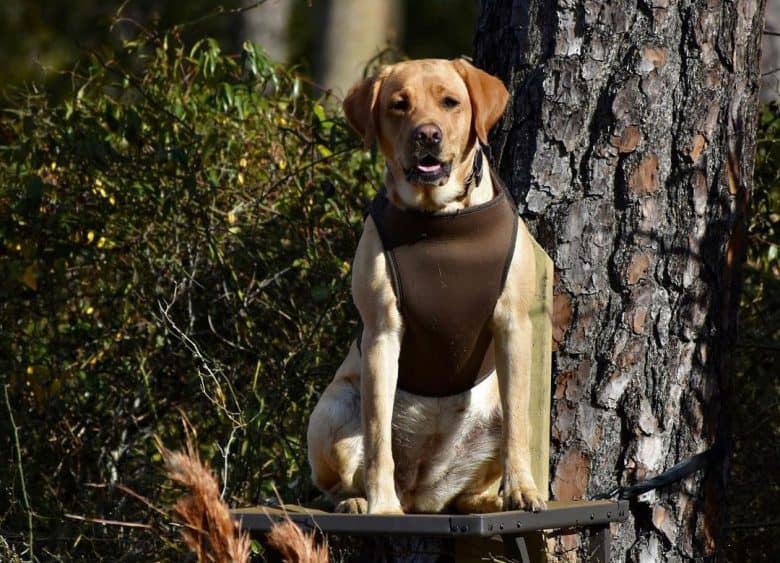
176	242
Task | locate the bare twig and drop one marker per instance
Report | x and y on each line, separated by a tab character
143	499
226	341
213	373
225	457
105	522
220	11
25	498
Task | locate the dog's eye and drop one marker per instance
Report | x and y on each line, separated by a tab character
401	104
450	102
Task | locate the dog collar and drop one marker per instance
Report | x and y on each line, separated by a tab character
475	176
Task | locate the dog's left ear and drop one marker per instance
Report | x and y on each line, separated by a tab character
488	97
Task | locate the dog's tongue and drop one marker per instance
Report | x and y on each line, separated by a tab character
428	168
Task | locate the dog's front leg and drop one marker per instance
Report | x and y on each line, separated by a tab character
513	364
378	381
374	297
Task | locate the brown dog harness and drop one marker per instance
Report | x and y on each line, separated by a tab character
448	272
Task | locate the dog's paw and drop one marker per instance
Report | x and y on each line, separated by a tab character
479	503
354	505
386	508
523	496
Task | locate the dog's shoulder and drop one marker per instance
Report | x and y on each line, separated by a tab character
372	288
518	292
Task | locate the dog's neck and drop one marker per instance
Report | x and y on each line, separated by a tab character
463	189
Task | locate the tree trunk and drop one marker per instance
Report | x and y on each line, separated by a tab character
770	55
268	26
353	33
629	146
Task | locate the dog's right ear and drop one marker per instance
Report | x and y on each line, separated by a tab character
360	108
488	97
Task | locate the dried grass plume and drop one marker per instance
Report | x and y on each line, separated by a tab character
295	546
209	529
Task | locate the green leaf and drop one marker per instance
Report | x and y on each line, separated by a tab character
227	91
319	112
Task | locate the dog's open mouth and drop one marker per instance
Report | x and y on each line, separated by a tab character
428	170
428	165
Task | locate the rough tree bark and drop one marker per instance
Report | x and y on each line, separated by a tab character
629	145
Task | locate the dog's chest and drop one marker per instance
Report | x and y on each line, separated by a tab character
447	272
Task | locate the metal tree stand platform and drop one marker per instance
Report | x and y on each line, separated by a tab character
519	531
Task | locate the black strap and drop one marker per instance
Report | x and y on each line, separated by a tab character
475	176
476	170
677	473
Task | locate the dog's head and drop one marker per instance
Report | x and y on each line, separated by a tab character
426	116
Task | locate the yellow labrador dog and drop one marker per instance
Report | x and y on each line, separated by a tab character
376	446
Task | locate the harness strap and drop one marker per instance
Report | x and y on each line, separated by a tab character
448	271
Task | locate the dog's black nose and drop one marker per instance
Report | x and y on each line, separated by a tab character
428	134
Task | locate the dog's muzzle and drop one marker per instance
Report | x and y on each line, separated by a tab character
427	168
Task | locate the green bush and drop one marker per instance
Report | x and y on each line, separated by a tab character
176	239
